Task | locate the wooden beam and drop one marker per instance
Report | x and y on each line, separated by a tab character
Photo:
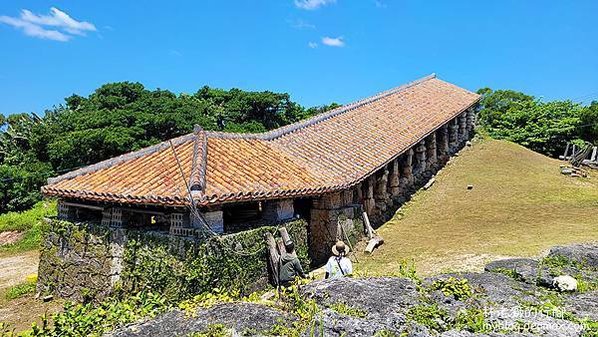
75	204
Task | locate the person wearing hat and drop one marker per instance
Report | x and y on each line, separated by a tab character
290	267
339	264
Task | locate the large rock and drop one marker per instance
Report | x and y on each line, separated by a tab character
249	319
385	301
584	305
526	270
586	254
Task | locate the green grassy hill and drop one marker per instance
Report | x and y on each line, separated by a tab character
520	205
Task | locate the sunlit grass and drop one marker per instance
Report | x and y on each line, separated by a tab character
520	205
29	222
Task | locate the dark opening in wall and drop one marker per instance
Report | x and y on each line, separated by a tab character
243	216
88	215
303	208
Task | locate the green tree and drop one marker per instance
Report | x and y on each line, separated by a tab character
545	127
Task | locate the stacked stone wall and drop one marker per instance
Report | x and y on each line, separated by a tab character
87	262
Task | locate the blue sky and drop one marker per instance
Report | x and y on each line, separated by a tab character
319	51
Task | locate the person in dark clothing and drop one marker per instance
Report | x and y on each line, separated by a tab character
290	267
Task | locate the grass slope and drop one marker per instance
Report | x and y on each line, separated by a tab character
29	222
520	205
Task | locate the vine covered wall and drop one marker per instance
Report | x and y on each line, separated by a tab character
83	261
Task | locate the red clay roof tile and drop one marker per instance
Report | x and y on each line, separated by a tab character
328	152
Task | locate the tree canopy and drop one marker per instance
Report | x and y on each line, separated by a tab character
122	117
545	127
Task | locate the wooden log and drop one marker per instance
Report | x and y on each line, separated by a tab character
273	256
373	244
429	183
284	234
280	245
368	227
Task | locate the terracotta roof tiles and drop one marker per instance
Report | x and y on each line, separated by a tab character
328	152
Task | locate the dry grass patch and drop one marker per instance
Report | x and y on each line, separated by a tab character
520	205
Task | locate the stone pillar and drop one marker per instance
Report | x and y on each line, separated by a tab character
368	196
470	121
420	159
406	167
106	217
358	194
453	136
393	179
463	134
380	191
278	210
443	144
431	151
327	215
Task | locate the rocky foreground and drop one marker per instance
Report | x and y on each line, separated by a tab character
553	296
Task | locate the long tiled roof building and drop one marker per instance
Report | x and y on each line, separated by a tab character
397	138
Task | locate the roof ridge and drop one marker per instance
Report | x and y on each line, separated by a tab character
284	130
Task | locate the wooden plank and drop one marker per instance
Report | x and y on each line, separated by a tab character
284	234
373	244
429	183
368	227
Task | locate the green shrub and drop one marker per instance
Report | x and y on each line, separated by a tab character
20	290
89	320
429	315
458	288
348	310
472	320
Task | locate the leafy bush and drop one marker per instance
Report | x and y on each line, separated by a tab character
89	320
544	127
20	290
458	288
429	315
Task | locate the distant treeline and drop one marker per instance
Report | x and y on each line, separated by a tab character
122	117
119	118
545	127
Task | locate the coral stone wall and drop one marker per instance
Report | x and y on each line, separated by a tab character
87	262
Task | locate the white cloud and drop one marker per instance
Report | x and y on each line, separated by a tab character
312	4
312	45
33	25
333	42
34	30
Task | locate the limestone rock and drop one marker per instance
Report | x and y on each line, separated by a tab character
244	318
586	254
584	305
526	270
564	283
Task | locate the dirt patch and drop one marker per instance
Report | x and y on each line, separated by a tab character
20	313
8	237
14	269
